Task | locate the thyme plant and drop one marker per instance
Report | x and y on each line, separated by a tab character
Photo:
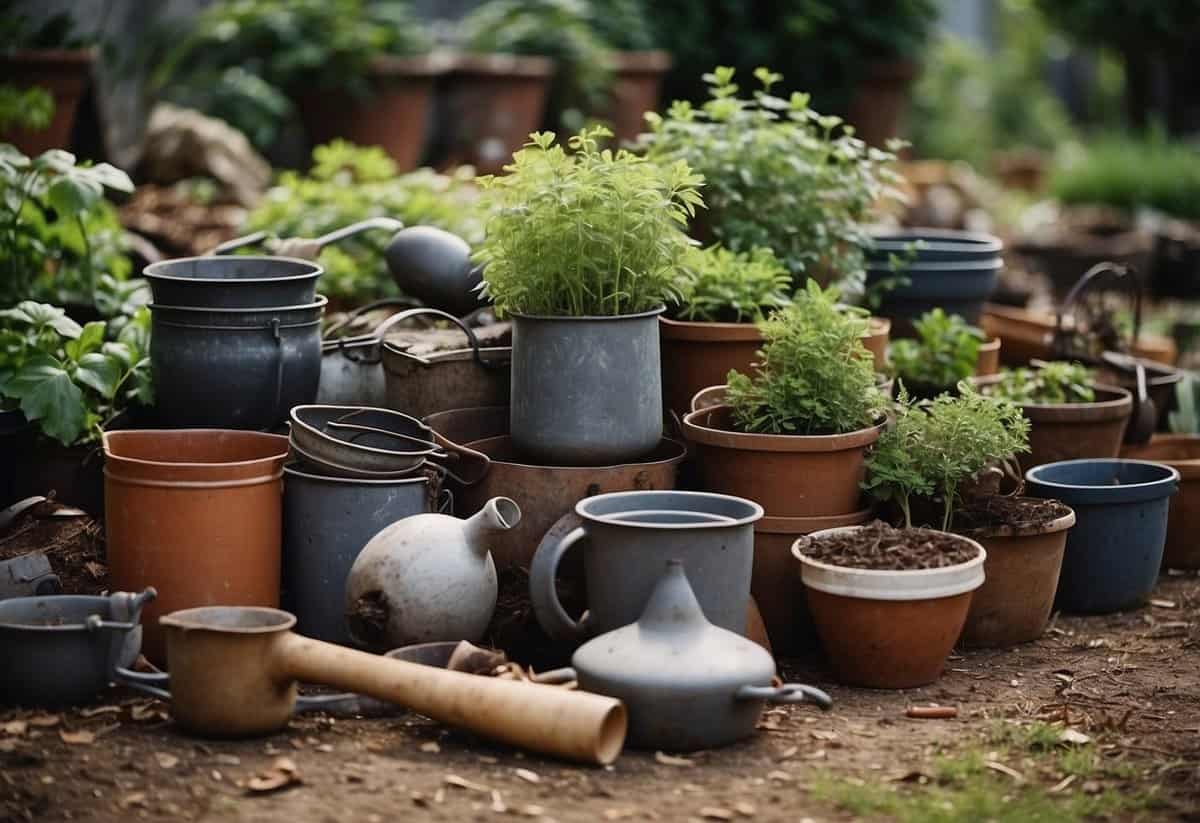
719	285
813	375
589	232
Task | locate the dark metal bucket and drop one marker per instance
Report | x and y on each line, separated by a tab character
233	282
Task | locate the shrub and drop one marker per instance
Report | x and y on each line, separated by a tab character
1054	382
719	285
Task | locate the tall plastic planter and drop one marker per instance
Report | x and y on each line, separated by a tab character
586	391
1114	551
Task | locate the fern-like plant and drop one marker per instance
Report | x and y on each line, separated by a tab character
813	375
945	351
587	232
721	286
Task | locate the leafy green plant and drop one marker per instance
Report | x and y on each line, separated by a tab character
29	108
934	447
1054	382
559	29
25	31
721	286
347	184
944	352
57	232
591	232
1129	173
241	60
623	24
66	377
812	375
777	174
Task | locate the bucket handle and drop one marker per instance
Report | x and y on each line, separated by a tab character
787	693
404	315
544	594
155	684
333	328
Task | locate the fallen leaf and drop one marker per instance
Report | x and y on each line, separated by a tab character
817	734
1062	784
1071	737
528	776
80	738
166	761
1000	767
463	783
45	721
15	727
790	751
716	813
671	760
148	711
281	774
133	799
744	809
431	746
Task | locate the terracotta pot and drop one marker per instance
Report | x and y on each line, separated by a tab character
1182	453
1029	335
788	475
196	513
495	101
774	584
889	629
1021	576
637	79
64	73
880	103
394	116
988	362
697	355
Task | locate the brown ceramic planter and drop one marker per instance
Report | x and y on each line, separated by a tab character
65	74
889	629
988	362
775	585
196	513
880	104
1021	575
394	117
494	102
1029	335
637	79
876	341
1182	453
789	475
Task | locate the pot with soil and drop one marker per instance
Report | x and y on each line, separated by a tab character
1115	550
888	603
1182	453
393	115
66	75
1024	538
794	437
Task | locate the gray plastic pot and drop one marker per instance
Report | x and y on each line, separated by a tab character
326	523
586	391
1115	550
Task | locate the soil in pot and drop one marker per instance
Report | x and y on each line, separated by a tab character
888	603
1024	538
1182	453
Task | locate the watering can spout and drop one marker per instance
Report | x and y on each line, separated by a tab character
497	515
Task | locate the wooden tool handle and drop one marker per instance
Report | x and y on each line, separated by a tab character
570	724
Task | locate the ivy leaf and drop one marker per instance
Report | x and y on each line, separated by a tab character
39	315
48	395
100	372
90	339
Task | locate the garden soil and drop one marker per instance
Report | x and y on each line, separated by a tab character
1129	682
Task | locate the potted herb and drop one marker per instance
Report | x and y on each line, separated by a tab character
777	175
946	351
793	434
1070	415
941	464
351	68
582	253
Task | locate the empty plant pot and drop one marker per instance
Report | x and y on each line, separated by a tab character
195	513
1115	550
586	391
421	385
1021	576
888	629
789	475
1182	453
240	282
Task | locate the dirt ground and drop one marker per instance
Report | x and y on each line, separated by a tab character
1100	718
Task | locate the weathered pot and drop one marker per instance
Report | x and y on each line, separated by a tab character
1182	453
687	684
586	391
637	79
326	523
886	629
234	368
789	475
629	538
421	385
1161	381
1115	550
988	362
196	513
1021	576
879	105
233	282
775	585
66	75
1029	335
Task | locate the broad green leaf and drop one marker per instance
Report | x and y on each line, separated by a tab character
110	176
72	196
39	315
49	396
101	372
89	340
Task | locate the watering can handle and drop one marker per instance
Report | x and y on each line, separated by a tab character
472	466
1127	275
787	693
544	594
304	247
144	681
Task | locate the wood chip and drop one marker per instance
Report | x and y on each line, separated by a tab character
79	738
790	751
716	813
95	569
431	747
133	799
98	710
1163	604
671	760
1062	785
619	814
45	721
282	774
498	803
745	809
1000	767
463	783
528	776
166	761
782	777
818	734
1071	737
532	811
931	712
14	727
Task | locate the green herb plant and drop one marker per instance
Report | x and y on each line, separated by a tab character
66	377
30	108
945	351
812	376
590	232
777	174
1054	382
721	286
934	447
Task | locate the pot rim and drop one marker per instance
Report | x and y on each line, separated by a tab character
590	317
100	602
940	266
137	461
319	303
1056	525
729	439
1122	401
1137	489
294	470
811	525
705	331
185	619
891	584
942	240
355	473
391	349
397	453
1188	467
676	458
756	511
314	271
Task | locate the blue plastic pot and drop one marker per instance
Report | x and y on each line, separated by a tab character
1114	552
